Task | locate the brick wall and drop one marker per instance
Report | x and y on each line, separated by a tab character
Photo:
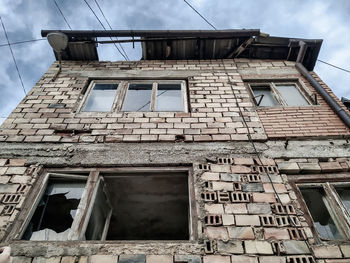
281	122
240	218
214	113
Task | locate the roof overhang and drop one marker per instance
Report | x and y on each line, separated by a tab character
194	44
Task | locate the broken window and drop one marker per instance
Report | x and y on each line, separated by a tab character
135	96
325	202
55	212
143	205
278	94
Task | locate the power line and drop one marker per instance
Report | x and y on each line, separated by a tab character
110	27
103	27
59	9
22	42
206	20
334	66
13	56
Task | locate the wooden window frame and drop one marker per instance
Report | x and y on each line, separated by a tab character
123	87
336	208
93	179
272	85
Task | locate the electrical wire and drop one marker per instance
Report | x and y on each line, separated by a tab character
104	27
59	9
334	66
21	42
206	20
120	45
13	56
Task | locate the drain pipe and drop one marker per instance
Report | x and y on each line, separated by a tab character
331	102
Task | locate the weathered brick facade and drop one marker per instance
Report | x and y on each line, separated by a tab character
247	209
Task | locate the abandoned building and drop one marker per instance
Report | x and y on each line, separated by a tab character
216	147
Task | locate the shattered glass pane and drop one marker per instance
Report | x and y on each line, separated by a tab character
55	212
138	98
267	100
292	95
169	97
344	194
101	98
315	200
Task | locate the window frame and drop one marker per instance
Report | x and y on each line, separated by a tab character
338	211
272	85
122	90
84	210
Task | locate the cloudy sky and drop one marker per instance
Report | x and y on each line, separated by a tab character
23	19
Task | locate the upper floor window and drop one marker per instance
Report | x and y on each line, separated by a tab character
329	207
135	96
278	94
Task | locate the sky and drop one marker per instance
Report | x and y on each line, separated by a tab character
24	19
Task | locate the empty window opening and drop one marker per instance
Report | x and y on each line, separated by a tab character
148	207
101	98
56	210
320	211
344	194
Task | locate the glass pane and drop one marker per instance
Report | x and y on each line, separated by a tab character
138	98
98	217
101	97
344	194
267	100
169	97
315	200
292	95
55	212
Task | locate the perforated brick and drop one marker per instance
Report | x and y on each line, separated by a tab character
208	247
225	160
300	259
11	198
261	169
8	210
238	197
267	220
237	187
209	196
22	189
297	233
213	220
223	197
278	248
252	178
204	167
290	220
283	209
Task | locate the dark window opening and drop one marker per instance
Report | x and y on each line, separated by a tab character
319	208
148	206
55	212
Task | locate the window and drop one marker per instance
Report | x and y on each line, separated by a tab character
278	94
329	207
112	205
135	96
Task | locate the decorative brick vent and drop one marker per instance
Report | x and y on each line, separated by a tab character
8	210
264	169
252	178
208	247
204	167
237	187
